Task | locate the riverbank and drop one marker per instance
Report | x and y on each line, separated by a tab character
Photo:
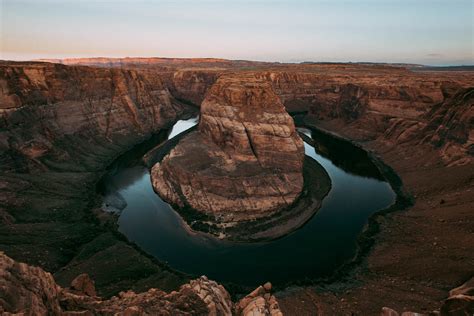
418	255
81	238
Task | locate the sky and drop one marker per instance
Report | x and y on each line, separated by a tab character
431	32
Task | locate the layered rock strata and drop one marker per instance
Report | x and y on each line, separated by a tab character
368	98
384	104
246	160
60	127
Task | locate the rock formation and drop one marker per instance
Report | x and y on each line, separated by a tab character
30	290
259	302
450	127
246	160
44	104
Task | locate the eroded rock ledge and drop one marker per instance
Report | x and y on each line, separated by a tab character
28	290
244	163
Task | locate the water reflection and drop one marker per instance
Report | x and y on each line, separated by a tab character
314	250
182	125
343	154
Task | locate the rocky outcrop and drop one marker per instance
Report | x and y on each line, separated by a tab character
243	116
32	291
244	163
259	302
83	285
460	300
450	127
214	295
27	289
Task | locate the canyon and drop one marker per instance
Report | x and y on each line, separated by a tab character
62	125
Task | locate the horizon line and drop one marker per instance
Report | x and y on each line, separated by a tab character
46	59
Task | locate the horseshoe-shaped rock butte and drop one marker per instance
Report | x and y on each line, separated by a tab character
245	160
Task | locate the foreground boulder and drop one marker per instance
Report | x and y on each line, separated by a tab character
260	302
460	300
244	163
30	290
27	289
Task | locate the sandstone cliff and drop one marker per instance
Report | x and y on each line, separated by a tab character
367	99
387	104
450	127
246	160
374	102
191	85
44	103
60	128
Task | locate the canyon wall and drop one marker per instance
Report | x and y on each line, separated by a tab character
384	104
41	104
191	85
393	105
60	128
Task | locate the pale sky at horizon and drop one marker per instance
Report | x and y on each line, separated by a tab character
433	32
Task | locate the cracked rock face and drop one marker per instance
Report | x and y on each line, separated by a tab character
28	290
245	161
260	302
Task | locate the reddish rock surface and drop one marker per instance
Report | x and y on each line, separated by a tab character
246	160
29	290
61	127
387	104
84	285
